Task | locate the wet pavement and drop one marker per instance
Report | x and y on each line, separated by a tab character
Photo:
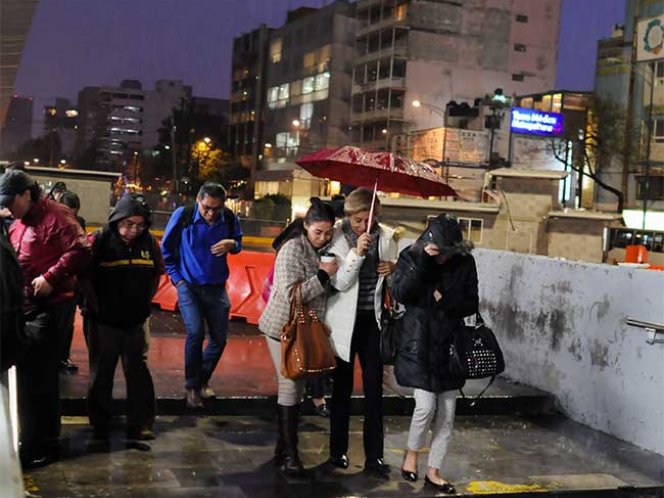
245	381
230	456
510	444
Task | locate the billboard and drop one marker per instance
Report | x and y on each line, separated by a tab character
533	122
463	147
650	39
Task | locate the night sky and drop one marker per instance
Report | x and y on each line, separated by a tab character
77	43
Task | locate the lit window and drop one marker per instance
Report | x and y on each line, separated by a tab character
273	94
275	51
322	81
400	12
309	59
308	85
306	113
287	143
283	92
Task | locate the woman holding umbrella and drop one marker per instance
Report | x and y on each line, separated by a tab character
366	252
436	279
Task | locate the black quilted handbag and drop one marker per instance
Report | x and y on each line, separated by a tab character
475	353
390	324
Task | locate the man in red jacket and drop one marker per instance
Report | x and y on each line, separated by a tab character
52	249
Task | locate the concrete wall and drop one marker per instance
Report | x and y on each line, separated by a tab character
577	239
95	196
561	326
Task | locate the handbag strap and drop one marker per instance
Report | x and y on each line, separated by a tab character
479	321
295	299
476	399
387	298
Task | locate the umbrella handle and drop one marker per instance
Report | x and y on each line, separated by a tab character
373	205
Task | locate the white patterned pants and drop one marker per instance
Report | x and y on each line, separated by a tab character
290	391
438	408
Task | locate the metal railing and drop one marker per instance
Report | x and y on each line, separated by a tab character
250	226
654	330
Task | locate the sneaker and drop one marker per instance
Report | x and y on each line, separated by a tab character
143	434
67	366
193	398
206	392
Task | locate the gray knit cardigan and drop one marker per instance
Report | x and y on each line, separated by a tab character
297	261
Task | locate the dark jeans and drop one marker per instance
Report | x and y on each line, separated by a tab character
38	381
106	346
316	387
365	343
200	304
68	333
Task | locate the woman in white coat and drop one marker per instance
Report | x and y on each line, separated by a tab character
353	313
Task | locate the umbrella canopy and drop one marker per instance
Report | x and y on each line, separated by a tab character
362	168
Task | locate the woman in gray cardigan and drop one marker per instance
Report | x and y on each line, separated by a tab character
298	260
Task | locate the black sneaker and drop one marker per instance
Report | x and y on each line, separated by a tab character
140	434
193	399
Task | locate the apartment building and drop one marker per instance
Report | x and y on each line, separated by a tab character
309	68
61	118
120	120
435	52
248	93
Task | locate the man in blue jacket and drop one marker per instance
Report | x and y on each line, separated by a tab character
195	244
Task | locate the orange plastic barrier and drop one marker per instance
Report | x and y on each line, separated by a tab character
248	271
636	254
166	296
245	285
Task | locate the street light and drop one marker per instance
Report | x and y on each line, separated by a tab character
443	114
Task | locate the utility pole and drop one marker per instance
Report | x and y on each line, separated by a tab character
646	181
629	118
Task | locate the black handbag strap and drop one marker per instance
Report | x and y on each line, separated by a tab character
479	321
476	399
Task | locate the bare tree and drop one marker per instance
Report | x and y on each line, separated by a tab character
598	138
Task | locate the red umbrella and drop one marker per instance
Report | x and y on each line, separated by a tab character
389	172
362	168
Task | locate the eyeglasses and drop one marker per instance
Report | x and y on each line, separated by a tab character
128	225
210	209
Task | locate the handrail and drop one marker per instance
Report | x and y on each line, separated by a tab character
635	322
654	330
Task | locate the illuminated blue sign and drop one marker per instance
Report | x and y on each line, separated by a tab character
532	122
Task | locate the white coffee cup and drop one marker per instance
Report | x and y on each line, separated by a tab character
327	258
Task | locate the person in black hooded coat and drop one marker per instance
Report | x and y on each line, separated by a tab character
436	280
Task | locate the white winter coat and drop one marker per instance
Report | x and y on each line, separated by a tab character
342	306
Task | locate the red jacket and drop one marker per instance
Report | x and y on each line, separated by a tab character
49	241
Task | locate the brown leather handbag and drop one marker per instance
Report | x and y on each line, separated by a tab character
306	350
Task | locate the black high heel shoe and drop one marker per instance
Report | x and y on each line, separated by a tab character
446	488
407	474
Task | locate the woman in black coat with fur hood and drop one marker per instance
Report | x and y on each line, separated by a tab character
436	279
